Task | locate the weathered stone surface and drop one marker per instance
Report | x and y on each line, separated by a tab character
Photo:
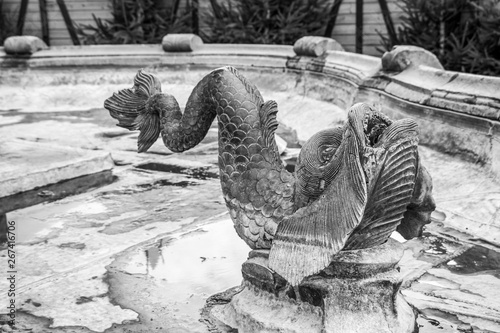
254	310
353	67
365	263
315	46
359	292
366	305
181	42
495	158
261	56
23	45
256	271
455	133
27	165
56	191
404	56
306	64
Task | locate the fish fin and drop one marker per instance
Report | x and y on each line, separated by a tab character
307	241
391	188
269	122
128	106
252	90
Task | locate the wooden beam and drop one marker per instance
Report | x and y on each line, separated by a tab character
44	20
386	14
359	26
334	12
175	9
69	23
22	17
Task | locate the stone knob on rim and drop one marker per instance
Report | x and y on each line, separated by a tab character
24	45
181	42
315	46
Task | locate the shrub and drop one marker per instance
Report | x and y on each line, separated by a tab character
463	34
7	23
265	21
135	22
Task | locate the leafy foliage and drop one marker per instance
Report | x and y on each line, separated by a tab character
463	34
265	21
135	22
7	23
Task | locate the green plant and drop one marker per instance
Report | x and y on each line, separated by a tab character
135	22
7	23
463	34
265	21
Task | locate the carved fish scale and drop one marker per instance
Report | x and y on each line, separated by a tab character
256	187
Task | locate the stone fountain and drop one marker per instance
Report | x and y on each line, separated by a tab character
322	258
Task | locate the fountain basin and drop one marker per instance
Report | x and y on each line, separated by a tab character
64	88
458	113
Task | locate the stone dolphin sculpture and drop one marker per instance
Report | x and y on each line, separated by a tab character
353	186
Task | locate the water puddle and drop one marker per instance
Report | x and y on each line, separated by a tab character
198	173
192	266
167	182
437	245
477	259
205	261
435	321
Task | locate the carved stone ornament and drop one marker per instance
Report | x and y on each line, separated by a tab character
353	186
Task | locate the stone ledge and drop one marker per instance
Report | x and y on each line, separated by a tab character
156	49
29	165
149	55
363	65
449	131
466	93
354	67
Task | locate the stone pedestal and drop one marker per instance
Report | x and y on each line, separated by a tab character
358	292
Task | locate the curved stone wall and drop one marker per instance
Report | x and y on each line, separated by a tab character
458	113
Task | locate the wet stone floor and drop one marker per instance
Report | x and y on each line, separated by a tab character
144	253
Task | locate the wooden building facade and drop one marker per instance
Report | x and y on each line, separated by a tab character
80	12
368	15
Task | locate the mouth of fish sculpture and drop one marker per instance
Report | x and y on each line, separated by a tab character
316	167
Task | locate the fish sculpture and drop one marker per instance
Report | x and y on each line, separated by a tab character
353	185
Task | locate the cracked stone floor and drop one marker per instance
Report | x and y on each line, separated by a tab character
142	254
